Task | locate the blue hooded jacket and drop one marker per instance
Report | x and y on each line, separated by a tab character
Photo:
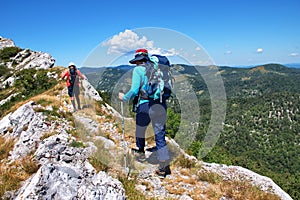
139	78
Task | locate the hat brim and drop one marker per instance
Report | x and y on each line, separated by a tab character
138	58
133	61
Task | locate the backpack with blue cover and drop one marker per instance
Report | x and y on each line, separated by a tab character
160	79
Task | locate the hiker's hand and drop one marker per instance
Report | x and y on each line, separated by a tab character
121	95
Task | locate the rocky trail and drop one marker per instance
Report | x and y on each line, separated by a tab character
80	155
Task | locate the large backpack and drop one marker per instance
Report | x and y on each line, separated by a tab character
73	76
160	79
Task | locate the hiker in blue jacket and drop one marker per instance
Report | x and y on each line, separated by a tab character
148	110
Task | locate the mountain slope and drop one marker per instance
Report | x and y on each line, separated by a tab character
261	130
67	148
49	152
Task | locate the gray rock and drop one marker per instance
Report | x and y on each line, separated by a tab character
5	42
65	181
27	59
89	91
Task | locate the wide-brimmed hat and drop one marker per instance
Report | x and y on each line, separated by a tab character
72	64
140	55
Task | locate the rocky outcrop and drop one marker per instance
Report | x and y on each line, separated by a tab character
64	181
90	91
66	174
5	42
26	59
8	98
65	171
238	173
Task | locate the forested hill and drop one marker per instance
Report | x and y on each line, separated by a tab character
262	126
260	80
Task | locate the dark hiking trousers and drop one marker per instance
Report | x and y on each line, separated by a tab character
73	91
155	113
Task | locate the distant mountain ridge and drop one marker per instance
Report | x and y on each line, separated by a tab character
293	65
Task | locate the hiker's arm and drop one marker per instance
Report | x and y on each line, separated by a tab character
135	86
80	74
64	74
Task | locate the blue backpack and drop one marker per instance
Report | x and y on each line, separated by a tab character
160	79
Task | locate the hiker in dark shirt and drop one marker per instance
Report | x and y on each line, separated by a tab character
73	75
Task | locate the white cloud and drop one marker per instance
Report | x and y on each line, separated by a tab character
259	50
294	54
170	52
228	52
127	41
198	49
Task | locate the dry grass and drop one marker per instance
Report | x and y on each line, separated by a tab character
236	190
241	190
47	135
98	164
131	192
6	145
209	185
210	177
11	176
184	162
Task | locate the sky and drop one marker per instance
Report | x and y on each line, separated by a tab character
232	33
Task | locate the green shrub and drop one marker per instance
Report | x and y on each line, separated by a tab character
76	144
9	52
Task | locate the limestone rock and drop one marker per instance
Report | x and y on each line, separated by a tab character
27	59
65	181
5	42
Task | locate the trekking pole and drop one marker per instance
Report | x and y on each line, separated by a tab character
60	98
123	135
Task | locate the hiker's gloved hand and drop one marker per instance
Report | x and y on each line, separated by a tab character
121	95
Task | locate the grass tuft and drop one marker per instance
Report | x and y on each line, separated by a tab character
6	145
210	177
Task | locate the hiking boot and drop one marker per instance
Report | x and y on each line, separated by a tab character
139	155
163	172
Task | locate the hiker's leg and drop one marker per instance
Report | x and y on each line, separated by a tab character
142	121
73	103
158	116
71	95
77	92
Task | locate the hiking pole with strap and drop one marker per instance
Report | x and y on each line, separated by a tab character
123	135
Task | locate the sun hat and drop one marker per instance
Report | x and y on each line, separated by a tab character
72	64
141	51
140	55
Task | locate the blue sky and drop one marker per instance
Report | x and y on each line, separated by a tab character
232	32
